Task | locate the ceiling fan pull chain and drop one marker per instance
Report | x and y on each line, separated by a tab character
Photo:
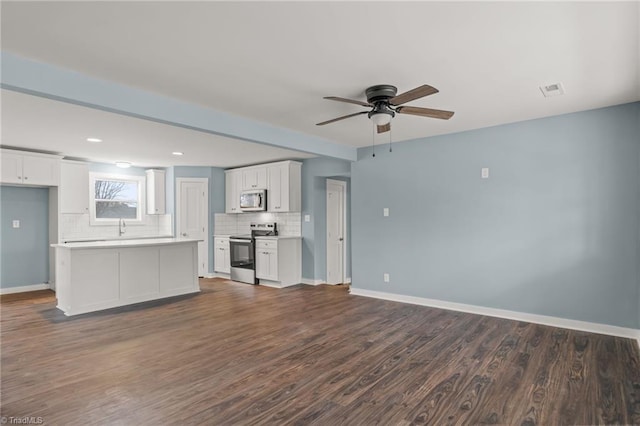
390	150
373	140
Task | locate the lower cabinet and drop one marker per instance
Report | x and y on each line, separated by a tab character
279	261
221	255
267	260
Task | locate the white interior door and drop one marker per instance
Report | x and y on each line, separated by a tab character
192	202
336	196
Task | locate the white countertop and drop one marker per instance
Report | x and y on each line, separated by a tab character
125	238
278	237
125	243
268	237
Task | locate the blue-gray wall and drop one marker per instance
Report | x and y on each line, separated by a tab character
315	172
553	231
24	251
216	195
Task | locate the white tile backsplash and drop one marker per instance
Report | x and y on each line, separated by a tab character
289	224
77	227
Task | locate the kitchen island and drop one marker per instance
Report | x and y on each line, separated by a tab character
97	275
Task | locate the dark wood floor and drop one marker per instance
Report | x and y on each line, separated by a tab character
239	354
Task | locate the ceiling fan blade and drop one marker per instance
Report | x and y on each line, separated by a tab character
418	92
384	128
349	101
342	118
425	112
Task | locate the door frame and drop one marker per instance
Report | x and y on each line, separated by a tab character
345	230
178	199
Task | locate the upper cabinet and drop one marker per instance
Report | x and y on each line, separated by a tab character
233	187
74	187
284	188
254	178
282	180
155	191
28	168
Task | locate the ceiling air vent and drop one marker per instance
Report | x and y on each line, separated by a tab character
554	89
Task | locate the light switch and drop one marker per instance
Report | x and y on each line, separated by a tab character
385	277
485	173
385	211
16	224
307	218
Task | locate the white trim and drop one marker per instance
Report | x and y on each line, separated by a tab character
347	280
141	218
591	327
24	288
308	281
218	275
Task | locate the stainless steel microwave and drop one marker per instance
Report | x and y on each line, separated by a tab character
254	200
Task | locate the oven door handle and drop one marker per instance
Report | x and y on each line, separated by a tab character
232	240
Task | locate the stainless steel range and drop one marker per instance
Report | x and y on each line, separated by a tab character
243	266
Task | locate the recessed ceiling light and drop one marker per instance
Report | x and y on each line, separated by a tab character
177	153
554	89
95	140
123	164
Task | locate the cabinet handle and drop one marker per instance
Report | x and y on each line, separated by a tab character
26	177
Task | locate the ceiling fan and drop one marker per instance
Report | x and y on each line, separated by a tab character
384	104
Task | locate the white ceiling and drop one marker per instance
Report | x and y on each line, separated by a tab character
274	61
47	125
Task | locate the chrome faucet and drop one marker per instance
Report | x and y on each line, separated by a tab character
121	227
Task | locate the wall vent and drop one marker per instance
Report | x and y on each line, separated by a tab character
554	89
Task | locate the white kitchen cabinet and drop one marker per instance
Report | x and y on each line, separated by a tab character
267	260
282	180
74	187
30	168
233	187
11	167
254	178
221	257
279	261
284	186
155	191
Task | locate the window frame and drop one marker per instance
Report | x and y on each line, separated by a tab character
141	210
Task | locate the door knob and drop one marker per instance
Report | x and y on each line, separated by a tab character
184	234
340	239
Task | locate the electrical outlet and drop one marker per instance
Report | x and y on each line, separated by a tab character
484	173
307	218
385	212
16	224
386	278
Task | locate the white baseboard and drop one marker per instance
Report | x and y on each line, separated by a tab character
318	282
24	288
591	327
312	282
217	275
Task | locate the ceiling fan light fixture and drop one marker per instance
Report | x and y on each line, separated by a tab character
381	118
